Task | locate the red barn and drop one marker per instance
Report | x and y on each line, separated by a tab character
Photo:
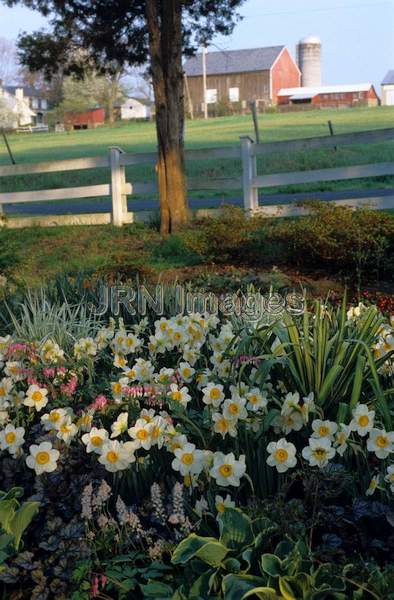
333	96
88	119
236	77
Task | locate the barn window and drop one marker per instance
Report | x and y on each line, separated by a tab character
233	94
212	96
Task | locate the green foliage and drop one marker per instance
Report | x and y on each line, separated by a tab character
174	251
337	238
220	239
14	520
91	91
8	258
325	353
38	319
244	570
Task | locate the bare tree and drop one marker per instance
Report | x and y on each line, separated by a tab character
7	117
8	61
137	83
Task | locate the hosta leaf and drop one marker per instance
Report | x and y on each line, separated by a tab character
285	589
156	589
5	540
236	586
7	511
202	585
272	565
207	549
332	595
263	593
235	529
22	519
232	565
212	553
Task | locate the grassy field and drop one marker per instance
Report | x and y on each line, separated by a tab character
140	137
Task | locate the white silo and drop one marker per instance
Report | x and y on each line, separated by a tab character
309	61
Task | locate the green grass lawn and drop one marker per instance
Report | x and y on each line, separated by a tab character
140	137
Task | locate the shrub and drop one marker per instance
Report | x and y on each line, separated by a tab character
174	250
222	238
338	238
8	252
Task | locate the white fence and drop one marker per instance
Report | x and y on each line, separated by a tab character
252	182
118	188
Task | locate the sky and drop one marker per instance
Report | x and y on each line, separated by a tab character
357	36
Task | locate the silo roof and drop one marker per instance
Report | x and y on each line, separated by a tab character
310	39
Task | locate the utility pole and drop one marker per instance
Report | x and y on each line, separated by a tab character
204	80
189	98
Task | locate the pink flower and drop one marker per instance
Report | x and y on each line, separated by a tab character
49	372
100	403
68	389
135	391
254	360
94	590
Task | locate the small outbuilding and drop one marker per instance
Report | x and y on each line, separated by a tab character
331	96
135	108
87	119
388	89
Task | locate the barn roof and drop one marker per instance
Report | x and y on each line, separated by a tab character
389	79
326	89
233	61
144	101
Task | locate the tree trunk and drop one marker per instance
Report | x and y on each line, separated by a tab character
113	92
164	19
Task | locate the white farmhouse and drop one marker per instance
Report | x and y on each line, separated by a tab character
135	108
388	89
18	109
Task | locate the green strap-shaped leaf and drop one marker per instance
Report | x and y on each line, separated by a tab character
22	519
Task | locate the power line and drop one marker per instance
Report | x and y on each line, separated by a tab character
312	10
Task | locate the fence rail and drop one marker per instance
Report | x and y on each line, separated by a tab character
250	182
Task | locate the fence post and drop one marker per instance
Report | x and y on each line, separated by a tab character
118	182
249	170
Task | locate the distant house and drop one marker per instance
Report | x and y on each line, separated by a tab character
88	119
388	89
18	106
240	76
333	96
134	108
37	103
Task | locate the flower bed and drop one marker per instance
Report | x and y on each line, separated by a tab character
140	442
